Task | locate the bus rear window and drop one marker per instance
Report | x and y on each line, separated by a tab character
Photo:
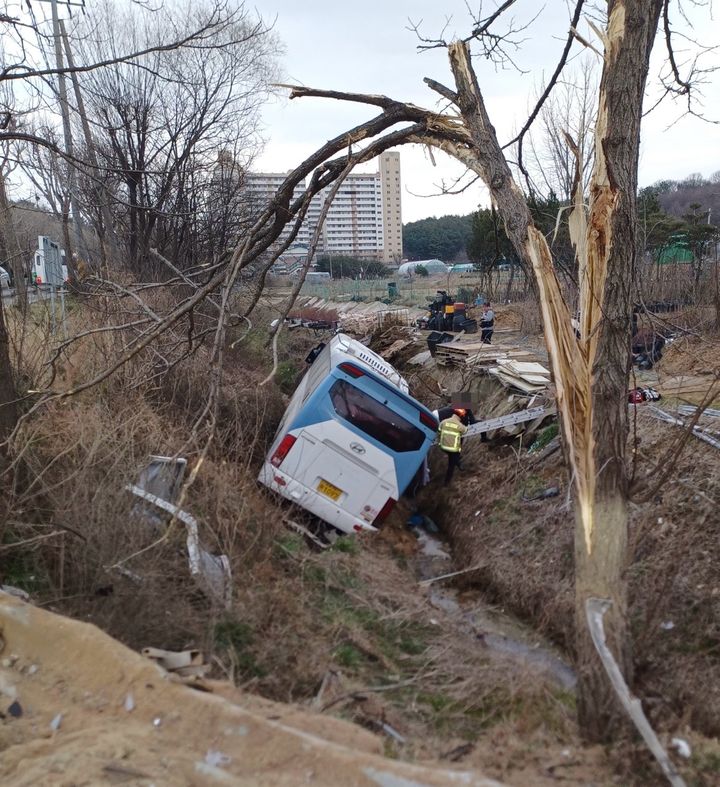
374	418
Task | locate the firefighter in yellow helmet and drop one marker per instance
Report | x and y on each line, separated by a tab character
451	431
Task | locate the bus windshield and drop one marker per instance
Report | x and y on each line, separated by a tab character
374	418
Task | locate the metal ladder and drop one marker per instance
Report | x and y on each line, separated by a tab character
508	420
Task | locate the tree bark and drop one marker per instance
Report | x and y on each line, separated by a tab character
591	377
601	559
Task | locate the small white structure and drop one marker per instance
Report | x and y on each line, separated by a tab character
49	263
431	266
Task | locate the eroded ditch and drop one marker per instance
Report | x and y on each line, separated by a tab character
502	636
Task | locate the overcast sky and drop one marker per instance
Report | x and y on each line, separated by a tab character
367	46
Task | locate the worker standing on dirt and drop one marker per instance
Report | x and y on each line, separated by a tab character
451	431
487	323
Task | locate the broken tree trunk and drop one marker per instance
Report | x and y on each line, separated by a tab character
606	296
590	374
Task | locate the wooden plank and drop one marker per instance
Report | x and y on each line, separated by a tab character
518	367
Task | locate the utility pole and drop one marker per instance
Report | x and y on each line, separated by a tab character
67	136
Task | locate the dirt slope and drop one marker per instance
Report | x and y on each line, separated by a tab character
57	668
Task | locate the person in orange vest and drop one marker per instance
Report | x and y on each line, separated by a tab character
451	431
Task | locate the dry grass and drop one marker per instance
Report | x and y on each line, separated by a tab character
526	550
74	457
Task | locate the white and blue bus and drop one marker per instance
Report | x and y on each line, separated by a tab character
351	440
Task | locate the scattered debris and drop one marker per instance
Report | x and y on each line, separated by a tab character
17	592
417	521
478	354
217	759
456	754
701	434
56	722
129	703
682	747
525	376
212	571
667	625
395	349
161	477
15	710
688	409
392	732
595	609
420	359
637	395
426	582
298	528
552	491
185	663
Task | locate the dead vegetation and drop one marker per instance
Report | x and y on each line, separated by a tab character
523	551
348	631
345	630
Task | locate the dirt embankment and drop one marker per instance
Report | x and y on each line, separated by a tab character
83	709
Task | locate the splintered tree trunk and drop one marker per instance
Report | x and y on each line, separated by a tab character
590	375
601	555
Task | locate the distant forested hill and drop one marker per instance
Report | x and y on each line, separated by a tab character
677	197
443	239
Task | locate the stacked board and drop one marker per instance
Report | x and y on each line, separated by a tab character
478	354
528	377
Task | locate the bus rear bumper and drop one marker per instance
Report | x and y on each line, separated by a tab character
312	501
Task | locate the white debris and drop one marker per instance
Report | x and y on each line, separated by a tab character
682	747
129	704
55	723
667	625
216	758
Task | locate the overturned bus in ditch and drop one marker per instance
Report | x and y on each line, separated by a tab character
351	440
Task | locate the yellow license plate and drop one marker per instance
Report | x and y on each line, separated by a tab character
329	490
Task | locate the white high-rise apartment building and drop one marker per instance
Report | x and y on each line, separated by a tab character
261	187
364	220
392	207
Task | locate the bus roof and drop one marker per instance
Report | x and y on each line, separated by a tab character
343	347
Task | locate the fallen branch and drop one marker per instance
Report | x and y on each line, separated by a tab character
595	609
697	431
33	540
426	582
351	695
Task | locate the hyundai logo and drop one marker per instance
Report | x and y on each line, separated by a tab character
357	448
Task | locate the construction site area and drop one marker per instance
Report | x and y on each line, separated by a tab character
222	635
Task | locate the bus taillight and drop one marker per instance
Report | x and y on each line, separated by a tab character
282	450
384	512
429	421
351	369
